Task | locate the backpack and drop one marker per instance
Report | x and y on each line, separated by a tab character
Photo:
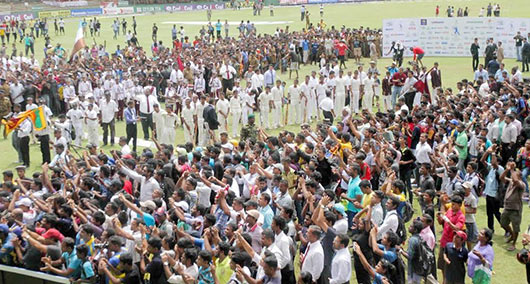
501	190
481	185
406	211
401	230
398	277
424	260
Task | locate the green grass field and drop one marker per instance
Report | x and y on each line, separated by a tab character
506	268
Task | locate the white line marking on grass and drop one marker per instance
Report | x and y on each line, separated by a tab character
200	23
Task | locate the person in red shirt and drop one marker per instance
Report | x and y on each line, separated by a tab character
437	10
398	80
341	49
452	221
418	54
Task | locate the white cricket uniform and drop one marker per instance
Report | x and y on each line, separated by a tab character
355	94
158	120
235	110
368	93
169	134
222	106
295	115
264	108
340	94
277	96
92	126
187	119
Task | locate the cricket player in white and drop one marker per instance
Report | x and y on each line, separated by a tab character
235	110
265	102
295	113
277	96
188	120
223	108
340	92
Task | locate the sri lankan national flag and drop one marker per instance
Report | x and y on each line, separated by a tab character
36	115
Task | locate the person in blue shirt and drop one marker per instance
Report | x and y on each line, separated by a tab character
354	194
266	210
68	259
218	27
80	268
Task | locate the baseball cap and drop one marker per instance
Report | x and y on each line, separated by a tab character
183	205
24	202
462	235
148	204
340	208
278	166
253	213
467	184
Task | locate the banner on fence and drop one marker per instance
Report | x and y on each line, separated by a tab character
62	4
191	7
86	12
453	36
149	9
118	10
54	14
17	16
293	2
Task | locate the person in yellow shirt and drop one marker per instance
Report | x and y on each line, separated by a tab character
366	188
223	272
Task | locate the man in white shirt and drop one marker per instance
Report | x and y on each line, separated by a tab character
24	131
283	242
355	92
223	109
277	96
108	109
148	183
188	121
158	121
15	90
235	109
294	92
423	149
326	105
312	261
341	263
265	101
147	101
391	221
227	73
76	116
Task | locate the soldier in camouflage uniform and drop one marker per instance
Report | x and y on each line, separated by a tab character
249	131
5	102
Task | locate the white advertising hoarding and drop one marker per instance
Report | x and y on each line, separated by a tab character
453	36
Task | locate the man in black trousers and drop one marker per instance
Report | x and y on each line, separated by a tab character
130	123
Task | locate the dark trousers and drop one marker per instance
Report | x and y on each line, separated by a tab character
132	133
475	62
227	84
147	122
526	60
409	99
492	210
288	275
405	177
328	115
506	153
24	149
45	148
106	127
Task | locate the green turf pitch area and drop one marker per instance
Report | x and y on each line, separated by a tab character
506	268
